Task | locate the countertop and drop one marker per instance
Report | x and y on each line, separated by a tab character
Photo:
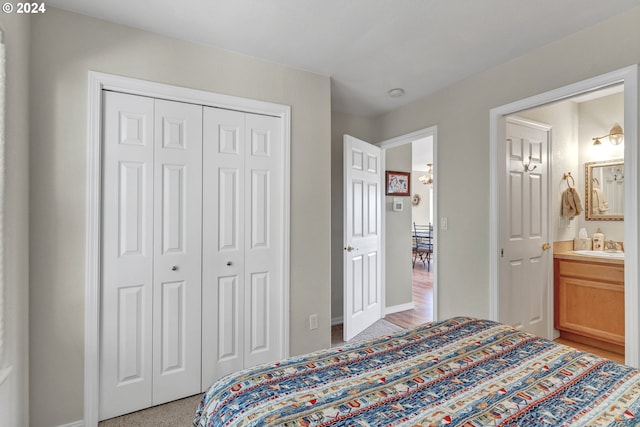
570	255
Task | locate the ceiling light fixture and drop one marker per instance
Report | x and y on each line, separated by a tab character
396	93
428	177
616	136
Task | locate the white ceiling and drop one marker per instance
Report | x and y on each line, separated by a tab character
366	46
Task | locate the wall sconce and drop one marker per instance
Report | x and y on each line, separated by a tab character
616	136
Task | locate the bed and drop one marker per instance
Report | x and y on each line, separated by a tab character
459	372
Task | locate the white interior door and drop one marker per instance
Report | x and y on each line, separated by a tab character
362	244
524	282
242	229
178	250
127	255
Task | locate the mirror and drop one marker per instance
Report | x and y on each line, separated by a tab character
604	190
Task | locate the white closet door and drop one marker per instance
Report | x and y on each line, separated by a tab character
127	256
242	247
263	219
178	253
223	243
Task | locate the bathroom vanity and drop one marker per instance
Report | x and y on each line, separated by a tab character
589	299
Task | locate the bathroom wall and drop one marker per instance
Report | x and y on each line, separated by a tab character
595	119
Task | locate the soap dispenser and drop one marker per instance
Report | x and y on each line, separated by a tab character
598	240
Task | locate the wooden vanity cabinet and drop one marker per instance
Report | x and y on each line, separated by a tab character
589	302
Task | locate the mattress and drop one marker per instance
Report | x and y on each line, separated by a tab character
459	372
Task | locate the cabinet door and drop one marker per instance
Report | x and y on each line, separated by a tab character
178	250
592	309
223	243
127	255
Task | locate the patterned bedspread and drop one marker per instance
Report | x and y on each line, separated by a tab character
459	372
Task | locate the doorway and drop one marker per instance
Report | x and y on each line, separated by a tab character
629	78
423	277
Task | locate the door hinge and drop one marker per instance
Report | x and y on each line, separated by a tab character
501	253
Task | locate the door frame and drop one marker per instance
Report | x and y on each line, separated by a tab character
396	142
629	77
97	82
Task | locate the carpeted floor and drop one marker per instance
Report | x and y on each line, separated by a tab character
173	414
180	413
381	327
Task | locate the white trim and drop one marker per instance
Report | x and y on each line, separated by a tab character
73	424
97	83
337	320
396	142
398	308
628	76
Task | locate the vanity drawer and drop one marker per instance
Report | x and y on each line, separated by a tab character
594	271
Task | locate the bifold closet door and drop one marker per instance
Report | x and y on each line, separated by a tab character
127	255
151	269
242	248
177	280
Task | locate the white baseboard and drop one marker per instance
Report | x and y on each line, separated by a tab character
398	308
336	321
74	424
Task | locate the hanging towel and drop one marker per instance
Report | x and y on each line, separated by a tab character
571	203
599	203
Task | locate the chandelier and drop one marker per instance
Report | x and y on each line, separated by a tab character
428	177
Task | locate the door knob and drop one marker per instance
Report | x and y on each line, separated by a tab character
546	246
174	268
350	248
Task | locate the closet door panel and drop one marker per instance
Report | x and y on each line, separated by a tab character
127	255
178	250
264	224
223	244
222	344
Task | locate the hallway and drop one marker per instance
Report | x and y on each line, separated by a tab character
422	299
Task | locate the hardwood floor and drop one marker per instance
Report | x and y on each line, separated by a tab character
422	300
600	352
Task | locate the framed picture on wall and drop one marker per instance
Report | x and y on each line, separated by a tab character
398	183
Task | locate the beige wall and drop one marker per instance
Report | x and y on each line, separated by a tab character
462	115
64	47
364	129
16	219
398	275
